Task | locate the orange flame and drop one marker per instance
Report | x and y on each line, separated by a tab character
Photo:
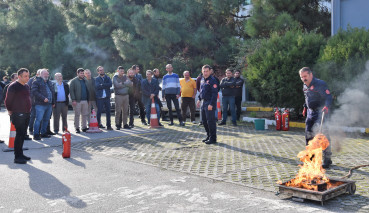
311	172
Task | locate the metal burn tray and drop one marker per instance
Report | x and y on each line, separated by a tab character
346	186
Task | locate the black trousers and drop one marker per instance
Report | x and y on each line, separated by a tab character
132	105
21	122
169	99
208	120
188	102
237	101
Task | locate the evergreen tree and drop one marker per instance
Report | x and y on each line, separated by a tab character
282	15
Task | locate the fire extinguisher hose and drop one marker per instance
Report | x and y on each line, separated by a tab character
321	123
352	169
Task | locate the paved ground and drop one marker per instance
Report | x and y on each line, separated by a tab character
243	156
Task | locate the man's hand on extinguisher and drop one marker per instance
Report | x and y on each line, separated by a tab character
325	109
304	112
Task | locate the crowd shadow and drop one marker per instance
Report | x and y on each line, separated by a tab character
45	184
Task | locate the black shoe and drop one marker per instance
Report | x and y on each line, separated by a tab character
234	124
171	123
1	141
182	124
20	161
101	126
126	126
37	137
200	124
109	128
50	133
45	136
26	157
56	132
131	126
206	139
78	131
84	129
160	124
222	123
27	138
144	123
210	141
118	128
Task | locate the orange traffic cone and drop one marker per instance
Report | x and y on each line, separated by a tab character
10	144
154	122
218	108
94	126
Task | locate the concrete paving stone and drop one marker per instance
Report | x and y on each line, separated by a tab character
243	156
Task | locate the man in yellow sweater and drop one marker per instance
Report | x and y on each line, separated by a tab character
188	94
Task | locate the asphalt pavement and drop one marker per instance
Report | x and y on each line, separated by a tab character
170	170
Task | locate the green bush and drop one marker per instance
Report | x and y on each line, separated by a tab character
272	71
343	58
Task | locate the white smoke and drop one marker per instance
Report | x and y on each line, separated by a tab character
352	112
353	103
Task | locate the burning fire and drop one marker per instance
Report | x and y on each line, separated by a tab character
311	173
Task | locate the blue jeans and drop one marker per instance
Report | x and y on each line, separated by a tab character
148	103
103	102
43	113
229	100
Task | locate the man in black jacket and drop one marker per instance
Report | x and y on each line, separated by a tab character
227	86
61	103
43	93
238	92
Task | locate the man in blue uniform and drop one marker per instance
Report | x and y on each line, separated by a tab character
318	99
208	95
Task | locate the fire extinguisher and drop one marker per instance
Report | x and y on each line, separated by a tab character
278	119
286	120
66	137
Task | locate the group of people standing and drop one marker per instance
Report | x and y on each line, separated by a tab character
31	102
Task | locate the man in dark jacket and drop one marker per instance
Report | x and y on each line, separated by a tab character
62	101
33	111
141	106
227	86
134	94
238	92
102	88
150	91
43	93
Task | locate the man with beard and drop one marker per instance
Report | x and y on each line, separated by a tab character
79	94
238	92
102	88
91	94
44	96
121	89
138	76
134	94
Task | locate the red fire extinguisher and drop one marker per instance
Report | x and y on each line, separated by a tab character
286	120
66	137
278	119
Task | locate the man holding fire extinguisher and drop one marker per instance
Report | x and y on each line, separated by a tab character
318	99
